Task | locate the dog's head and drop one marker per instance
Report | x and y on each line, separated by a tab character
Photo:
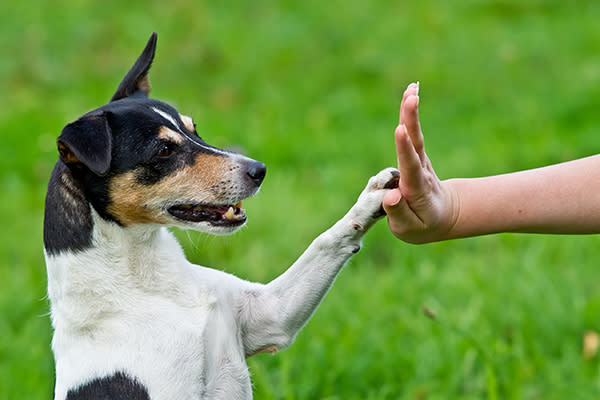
140	161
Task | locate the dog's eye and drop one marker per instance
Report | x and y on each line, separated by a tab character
165	151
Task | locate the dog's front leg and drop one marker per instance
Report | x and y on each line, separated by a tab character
271	315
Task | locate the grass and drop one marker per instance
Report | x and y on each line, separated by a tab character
312	89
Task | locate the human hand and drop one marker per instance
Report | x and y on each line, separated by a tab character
422	209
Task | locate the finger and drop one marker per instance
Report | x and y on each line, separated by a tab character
409	163
412	89
410	116
391	199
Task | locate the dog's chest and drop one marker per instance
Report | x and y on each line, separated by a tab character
178	341
173	352
156	344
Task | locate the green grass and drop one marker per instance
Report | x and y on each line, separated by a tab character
312	89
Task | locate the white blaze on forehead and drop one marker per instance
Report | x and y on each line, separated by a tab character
204	146
167	117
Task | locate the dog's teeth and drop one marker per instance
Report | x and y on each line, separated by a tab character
229	214
240	215
239	204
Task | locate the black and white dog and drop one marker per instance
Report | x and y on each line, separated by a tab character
133	319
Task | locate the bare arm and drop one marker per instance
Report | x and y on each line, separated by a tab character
562	198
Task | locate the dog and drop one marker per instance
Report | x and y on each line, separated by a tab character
132	318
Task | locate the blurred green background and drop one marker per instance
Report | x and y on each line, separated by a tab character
312	89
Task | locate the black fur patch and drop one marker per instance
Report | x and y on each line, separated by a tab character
135	127
116	387
88	141
68	220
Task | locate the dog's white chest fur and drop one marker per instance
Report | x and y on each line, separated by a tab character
147	311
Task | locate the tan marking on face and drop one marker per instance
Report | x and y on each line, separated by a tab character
144	84
206	181
170	135
66	154
188	123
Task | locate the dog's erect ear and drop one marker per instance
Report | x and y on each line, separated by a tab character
87	141
136	80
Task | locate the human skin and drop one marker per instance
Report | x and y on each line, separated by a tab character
562	198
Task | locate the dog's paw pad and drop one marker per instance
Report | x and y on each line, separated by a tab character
386	179
393	182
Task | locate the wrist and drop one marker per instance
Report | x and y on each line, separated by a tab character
449	228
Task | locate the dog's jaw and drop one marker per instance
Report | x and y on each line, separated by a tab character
204	196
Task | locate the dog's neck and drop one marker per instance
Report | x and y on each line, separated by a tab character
90	257
71	224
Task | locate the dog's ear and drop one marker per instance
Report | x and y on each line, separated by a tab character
136	80
87	141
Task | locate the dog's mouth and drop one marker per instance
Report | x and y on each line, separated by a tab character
218	215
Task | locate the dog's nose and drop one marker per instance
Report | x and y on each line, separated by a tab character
257	171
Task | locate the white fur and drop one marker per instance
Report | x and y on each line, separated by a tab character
133	303
176	124
168	118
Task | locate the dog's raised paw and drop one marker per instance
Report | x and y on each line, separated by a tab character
369	202
385	179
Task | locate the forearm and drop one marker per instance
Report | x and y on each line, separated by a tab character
563	198
271	315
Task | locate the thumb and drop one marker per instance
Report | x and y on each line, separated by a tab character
391	200
396	208
401	218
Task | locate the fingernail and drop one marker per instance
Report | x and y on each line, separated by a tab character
417	92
